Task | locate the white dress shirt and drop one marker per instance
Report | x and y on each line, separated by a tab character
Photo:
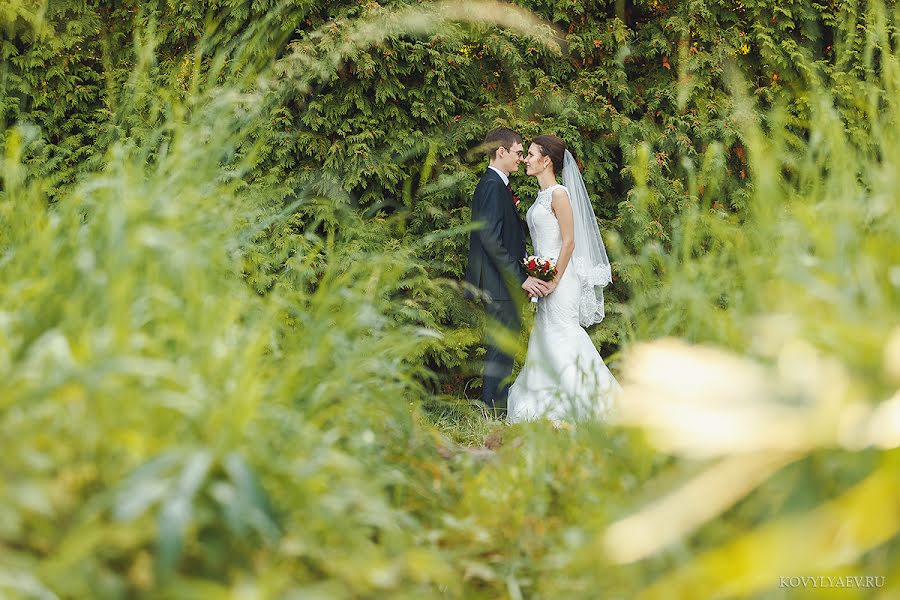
502	175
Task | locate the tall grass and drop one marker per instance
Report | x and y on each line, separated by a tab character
204	395
785	396
163	424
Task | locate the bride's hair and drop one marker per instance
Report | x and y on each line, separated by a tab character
553	147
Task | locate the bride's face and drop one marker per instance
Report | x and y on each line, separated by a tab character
536	162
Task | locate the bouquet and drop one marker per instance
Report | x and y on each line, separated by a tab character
540	267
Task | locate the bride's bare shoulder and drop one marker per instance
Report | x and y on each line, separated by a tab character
560	194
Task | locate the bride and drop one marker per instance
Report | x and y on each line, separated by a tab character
564	377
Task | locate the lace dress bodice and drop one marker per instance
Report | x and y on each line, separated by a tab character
543	226
547	241
559	309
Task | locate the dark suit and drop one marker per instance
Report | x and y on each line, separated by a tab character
496	251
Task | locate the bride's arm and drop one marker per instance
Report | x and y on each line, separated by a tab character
563	211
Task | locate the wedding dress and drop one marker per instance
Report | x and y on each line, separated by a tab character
564	377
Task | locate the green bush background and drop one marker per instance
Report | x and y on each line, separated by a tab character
407	106
234	358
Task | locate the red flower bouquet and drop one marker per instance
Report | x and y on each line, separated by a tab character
540	267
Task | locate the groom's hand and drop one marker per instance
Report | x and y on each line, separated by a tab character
535	287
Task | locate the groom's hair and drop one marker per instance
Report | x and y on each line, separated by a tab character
502	137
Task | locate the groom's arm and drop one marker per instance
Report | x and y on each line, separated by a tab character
491	215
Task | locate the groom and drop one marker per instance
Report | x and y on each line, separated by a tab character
496	250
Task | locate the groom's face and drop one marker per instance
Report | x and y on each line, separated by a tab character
509	158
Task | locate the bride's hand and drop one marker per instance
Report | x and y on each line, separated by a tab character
551	285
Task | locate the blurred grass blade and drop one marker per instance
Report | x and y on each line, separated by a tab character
23	585
251	503
833	535
698	501
177	508
147	485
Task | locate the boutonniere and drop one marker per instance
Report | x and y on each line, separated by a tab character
521	207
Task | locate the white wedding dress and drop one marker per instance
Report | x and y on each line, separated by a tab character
564	377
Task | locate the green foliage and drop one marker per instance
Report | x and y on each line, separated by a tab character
394	119
784	408
228	278
147	387
170	432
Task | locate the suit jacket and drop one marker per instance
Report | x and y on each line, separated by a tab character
497	247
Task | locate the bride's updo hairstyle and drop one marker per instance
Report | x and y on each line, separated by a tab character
553	147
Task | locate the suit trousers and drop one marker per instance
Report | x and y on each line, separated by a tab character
498	364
